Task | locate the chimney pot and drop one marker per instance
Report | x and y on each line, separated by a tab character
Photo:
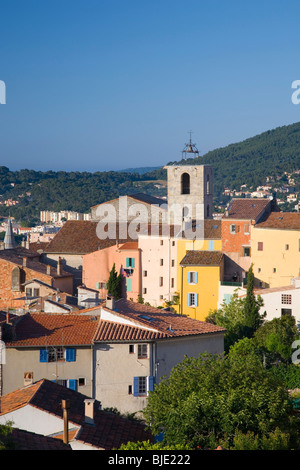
66	406
48	269
89	410
24	261
110	302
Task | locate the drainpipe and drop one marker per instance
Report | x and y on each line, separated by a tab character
66	407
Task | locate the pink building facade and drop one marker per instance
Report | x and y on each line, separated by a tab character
98	264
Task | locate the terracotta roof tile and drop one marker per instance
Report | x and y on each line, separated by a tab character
281	220
25	440
163	324
16	256
202	258
247	208
109	430
45	329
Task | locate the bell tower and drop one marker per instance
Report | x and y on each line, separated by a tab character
190	192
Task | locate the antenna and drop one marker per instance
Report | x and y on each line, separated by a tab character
190	148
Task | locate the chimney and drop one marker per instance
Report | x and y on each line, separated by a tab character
89	410
48	269
59	266
66	406
24	262
110	302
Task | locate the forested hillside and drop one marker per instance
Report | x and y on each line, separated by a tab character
249	162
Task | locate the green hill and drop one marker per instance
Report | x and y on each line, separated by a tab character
249	162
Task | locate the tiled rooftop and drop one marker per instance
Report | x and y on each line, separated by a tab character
25	440
202	258
247	208
47	329
164	324
282	221
17	254
110	430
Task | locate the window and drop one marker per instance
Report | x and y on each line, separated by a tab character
28	292
286	311
259	270
131	348
36	292
192	277
129	262
53	354
140	385
207	184
145	273
161	242
173	263
287	247
192	299
145	290
232	228
246	228
173	243
161	297
81	382
260	246
185	183
274	270
172	282
211	245
207	210
142	351
246	251
161	262
161	281
286	299
56	354
129	389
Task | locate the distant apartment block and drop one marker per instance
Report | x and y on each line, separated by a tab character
51	216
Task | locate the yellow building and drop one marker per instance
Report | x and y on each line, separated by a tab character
209	240
201	273
276	249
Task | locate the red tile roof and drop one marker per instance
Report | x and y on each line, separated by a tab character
109	430
47	329
25	440
16	256
163	324
282	221
247	208
202	258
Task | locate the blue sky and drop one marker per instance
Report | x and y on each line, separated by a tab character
97	85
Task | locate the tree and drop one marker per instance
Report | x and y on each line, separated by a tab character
241	316
251	307
206	400
114	284
275	338
6	442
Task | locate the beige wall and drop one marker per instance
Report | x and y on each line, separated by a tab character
152	252
19	361
111	383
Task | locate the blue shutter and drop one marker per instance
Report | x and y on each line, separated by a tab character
43	355
70	355
151	381
135	386
72	384
211	245
129	285
97	285
196	300
188	300
127	263
196	277
132	262
189	277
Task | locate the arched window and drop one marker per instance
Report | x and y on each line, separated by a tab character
18	277
185	183
207	184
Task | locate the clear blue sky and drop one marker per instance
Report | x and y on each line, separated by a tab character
110	84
